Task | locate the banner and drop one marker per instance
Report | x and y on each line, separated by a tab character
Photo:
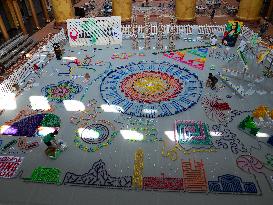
94	31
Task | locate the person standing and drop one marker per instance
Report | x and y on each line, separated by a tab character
212	14
58	51
263	29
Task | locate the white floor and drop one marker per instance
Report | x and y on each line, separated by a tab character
119	156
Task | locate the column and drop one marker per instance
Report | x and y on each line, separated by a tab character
19	16
122	8
10	12
44	8
3	29
249	10
63	10
270	10
34	15
185	10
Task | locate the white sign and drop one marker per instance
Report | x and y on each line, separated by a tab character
94	31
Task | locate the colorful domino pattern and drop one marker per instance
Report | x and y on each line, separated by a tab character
186	57
151	89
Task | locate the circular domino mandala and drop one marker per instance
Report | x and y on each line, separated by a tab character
94	136
215	108
151	89
94	133
64	90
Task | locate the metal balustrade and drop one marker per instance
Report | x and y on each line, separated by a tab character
180	30
25	70
9	41
13	45
19	75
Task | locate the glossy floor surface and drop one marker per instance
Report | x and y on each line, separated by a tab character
216	157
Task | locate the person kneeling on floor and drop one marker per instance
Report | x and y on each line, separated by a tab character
51	143
211	82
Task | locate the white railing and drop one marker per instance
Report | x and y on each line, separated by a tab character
25	70
247	33
39	57
180	30
153	10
